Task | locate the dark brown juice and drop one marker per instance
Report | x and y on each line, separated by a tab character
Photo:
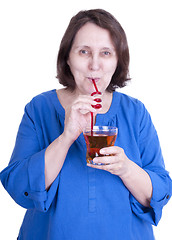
95	142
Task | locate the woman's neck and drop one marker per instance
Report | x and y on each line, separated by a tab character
67	96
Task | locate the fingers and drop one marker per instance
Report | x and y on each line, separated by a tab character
111	150
88	99
111	155
84	98
107	160
114	160
83	107
112	168
86	104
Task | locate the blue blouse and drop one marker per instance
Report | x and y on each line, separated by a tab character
85	203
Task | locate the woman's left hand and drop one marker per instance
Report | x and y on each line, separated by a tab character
136	180
115	161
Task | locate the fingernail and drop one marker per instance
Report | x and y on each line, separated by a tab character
97	100
94	93
97	106
95	160
102	151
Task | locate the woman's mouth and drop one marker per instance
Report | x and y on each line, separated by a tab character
96	79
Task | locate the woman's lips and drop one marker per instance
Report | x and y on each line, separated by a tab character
96	79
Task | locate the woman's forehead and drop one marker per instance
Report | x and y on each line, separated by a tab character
91	35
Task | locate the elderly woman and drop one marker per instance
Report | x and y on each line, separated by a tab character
123	192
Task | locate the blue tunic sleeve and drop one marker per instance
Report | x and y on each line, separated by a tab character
24	177
153	163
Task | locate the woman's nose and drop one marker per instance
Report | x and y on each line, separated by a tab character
94	63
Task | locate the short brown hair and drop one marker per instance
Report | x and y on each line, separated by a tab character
104	20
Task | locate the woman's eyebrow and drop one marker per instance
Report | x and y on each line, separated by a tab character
108	48
81	46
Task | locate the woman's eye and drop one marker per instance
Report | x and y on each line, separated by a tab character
106	53
85	52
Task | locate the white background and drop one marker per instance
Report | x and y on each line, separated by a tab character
30	36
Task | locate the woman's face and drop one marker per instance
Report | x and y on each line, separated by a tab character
92	56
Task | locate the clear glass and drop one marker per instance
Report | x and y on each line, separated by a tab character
98	138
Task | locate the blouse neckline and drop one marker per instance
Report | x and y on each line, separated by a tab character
111	112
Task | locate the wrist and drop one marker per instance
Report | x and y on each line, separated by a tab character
66	140
128	171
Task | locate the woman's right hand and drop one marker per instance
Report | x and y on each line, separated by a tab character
77	116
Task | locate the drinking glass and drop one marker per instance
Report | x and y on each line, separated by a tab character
97	138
